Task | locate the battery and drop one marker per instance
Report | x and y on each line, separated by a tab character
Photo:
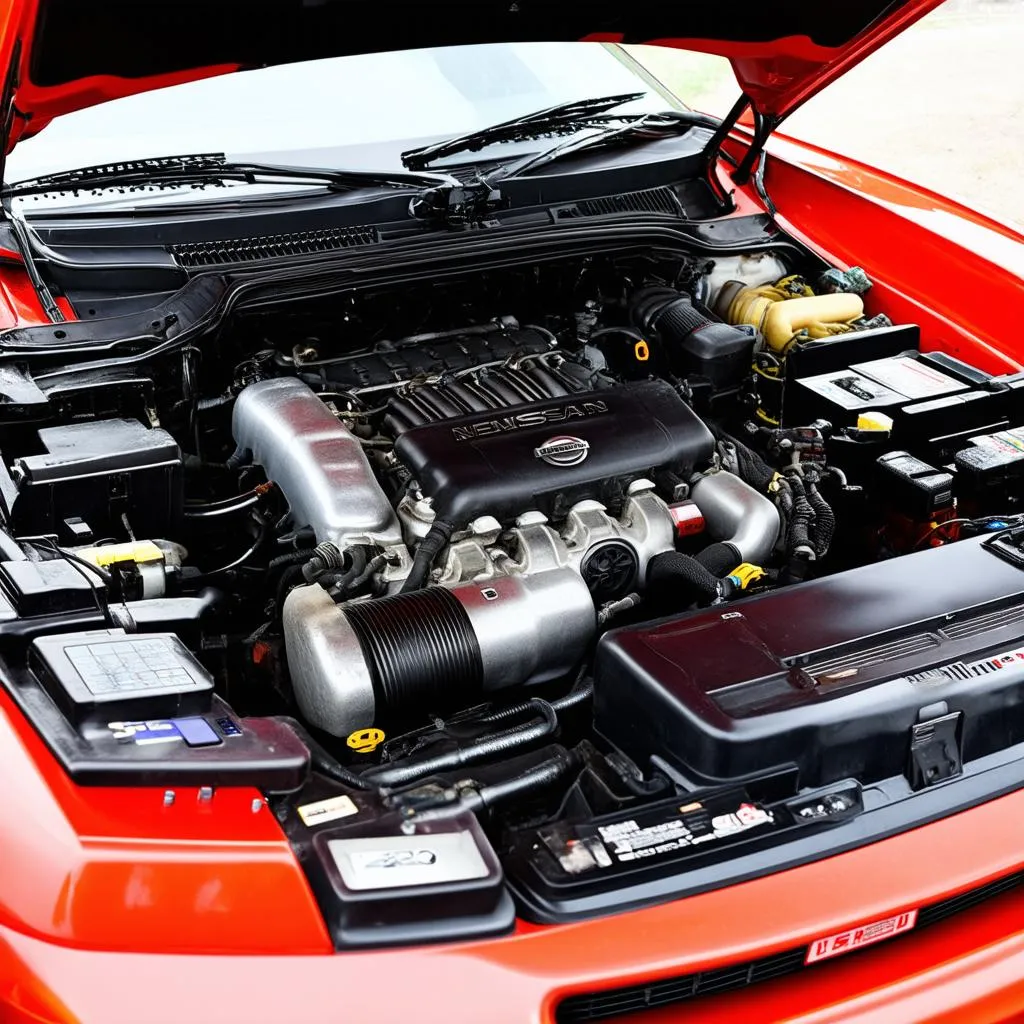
991	470
888	384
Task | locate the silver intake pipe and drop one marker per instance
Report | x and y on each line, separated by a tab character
736	514
316	461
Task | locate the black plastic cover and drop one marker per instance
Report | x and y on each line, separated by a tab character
106	674
98	471
125	738
378	884
830	676
503	463
913	487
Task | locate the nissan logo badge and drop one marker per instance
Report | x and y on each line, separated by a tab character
563	450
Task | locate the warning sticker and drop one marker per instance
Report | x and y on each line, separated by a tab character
327	810
909	377
851	390
1006	442
666	831
628	840
855	938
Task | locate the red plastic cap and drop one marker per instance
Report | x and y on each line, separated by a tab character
687	517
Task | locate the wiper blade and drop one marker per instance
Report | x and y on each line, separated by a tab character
564	116
199	168
640	128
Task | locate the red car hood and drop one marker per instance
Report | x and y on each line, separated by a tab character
62	55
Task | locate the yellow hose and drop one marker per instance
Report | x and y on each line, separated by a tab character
780	317
818	316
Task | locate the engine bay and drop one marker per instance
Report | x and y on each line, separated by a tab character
579	568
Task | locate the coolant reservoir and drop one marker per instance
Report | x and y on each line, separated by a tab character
753	270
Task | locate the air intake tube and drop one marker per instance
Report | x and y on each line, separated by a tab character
694	343
745	524
355	664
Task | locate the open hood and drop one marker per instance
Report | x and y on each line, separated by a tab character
62	55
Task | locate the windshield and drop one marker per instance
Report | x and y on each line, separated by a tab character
356	112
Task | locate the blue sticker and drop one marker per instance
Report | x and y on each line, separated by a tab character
145	733
228	727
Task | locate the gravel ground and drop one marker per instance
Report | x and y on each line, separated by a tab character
941	105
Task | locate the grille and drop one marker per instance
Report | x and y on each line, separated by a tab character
618	1002
225	251
653	200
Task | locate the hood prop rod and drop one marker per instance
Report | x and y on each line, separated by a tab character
763	127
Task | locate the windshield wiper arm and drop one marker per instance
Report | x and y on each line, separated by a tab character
640	128
198	168
564	116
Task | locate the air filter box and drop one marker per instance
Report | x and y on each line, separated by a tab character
840	676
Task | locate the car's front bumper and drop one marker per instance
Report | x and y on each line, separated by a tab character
970	967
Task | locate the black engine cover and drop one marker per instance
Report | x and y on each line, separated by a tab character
551	453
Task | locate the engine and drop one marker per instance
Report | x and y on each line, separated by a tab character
535	490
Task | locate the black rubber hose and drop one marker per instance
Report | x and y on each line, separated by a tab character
802	520
430	547
340	581
719	558
500	743
321	761
373	565
824	521
684	576
580	693
538	777
291	577
632	779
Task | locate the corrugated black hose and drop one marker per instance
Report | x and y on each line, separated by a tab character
801	522
685	578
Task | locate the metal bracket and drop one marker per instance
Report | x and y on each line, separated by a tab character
935	750
460	208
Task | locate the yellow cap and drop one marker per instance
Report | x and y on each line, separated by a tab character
872	420
365	741
745	574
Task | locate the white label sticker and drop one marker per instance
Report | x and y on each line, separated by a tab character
627	840
327	810
390	862
851	390
909	377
